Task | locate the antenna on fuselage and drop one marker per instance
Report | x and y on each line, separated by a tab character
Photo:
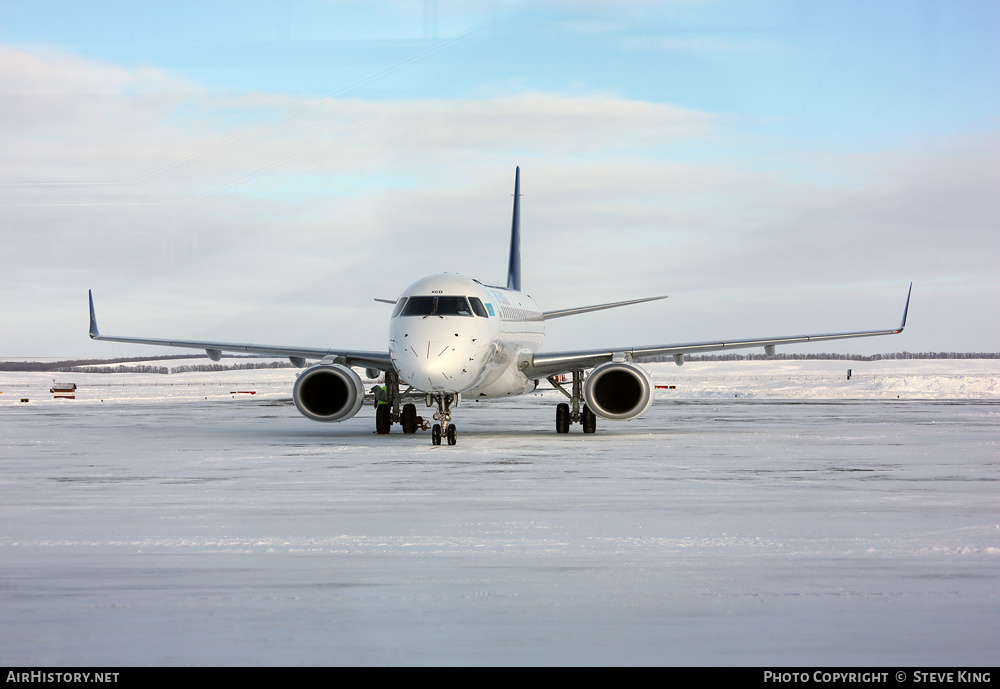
514	261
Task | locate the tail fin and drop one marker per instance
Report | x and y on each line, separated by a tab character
514	262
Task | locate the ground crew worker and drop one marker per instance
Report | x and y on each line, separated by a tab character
383	415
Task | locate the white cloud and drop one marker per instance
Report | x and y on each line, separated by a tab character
273	218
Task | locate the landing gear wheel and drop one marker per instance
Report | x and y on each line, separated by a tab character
409	418
436	434
452	434
562	418
383	419
588	420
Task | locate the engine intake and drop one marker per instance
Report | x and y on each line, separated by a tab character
618	391
328	392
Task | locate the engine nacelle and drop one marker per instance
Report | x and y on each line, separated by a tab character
328	392
618	391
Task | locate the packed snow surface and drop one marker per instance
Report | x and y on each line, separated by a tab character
761	513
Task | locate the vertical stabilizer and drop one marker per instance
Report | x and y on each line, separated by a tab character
514	262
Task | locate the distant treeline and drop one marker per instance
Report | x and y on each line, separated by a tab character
834	357
106	365
198	368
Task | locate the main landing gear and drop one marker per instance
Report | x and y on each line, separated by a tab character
578	412
446	428
388	414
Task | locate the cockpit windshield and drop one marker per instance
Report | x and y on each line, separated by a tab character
453	306
436	306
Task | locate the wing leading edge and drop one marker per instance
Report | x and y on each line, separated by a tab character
297	355
546	364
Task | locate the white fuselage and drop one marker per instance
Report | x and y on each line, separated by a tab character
452	334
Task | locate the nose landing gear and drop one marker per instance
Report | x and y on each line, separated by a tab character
446	428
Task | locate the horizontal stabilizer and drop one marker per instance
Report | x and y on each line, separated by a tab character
548	315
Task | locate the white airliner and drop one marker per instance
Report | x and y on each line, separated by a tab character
453	337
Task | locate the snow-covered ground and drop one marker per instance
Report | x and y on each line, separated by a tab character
762	513
903	379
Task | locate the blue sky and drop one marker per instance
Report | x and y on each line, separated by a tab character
261	170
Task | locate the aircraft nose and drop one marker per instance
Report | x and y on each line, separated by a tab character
434	365
437	361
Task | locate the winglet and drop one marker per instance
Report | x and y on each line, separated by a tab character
94	334
514	261
905	309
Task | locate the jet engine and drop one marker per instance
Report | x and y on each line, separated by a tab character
618	391
328	392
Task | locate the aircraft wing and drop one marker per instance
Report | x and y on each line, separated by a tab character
542	364
297	355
